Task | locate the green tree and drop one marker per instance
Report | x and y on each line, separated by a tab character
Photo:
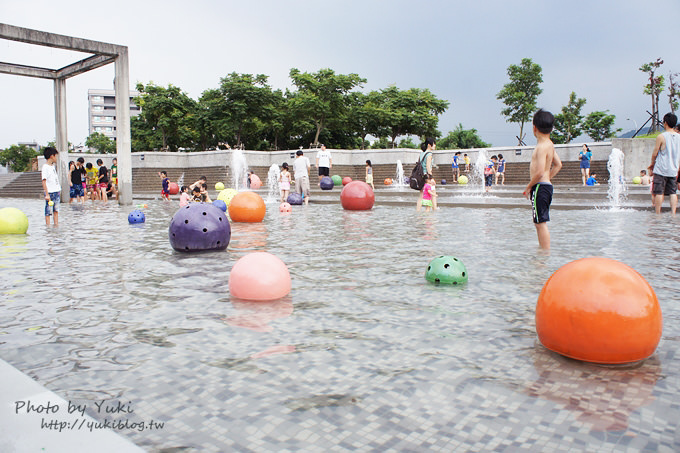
653	88
568	121
460	138
408	143
165	120
17	157
321	96
101	143
366	116
521	93
381	143
248	101
598	126
411	112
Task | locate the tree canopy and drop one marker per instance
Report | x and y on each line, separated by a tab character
245	111
17	157
520	94
462	139
100	143
598	125
568	121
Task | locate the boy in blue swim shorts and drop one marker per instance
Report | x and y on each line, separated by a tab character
545	164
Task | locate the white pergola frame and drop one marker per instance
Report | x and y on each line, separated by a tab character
103	54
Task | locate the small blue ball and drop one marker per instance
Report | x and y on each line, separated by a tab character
136	216
221	204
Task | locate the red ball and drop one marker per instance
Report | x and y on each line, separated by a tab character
173	189
346	180
388	181
357	196
599	310
247	207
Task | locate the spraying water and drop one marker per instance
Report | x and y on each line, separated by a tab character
180	181
399	177
273	184
239	170
617	192
477	174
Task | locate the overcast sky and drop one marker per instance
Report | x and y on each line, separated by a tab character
460	50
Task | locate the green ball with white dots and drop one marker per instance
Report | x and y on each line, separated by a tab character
447	270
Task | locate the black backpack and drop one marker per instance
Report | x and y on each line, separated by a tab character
417	181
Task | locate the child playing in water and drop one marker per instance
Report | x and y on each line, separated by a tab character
489	171
467	163
91	181
369	174
165	191
429	193
284	182
184	197
197	197
545	163
204	193
644	179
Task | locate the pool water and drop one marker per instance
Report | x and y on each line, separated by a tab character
364	354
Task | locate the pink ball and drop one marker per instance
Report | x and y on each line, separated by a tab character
259	276
285	207
357	196
346	180
255	182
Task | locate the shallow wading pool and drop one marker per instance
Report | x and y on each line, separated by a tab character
363	355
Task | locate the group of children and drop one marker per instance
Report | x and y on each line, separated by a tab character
196	192
88	182
495	166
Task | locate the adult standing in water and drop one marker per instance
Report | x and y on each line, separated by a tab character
666	164
426	149
584	156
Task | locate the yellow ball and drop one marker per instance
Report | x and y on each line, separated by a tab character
13	221
462	180
50	203
637	180
219	186
226	195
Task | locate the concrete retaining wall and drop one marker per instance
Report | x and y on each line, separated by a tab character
637	154
156	159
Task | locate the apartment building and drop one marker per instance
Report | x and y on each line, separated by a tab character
102	111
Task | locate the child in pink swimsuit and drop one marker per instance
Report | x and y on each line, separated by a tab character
284	182
429	193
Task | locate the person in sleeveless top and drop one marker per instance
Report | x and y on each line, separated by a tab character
665	164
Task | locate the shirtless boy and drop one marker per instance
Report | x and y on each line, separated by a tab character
540	189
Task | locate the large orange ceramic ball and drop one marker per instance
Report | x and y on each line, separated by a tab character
388	181
259	276
599	310
247	207
357	196
255	181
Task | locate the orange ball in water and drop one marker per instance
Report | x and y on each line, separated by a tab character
247	207
259	276
388	181
599	310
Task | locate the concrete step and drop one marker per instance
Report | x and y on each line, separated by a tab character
24	185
